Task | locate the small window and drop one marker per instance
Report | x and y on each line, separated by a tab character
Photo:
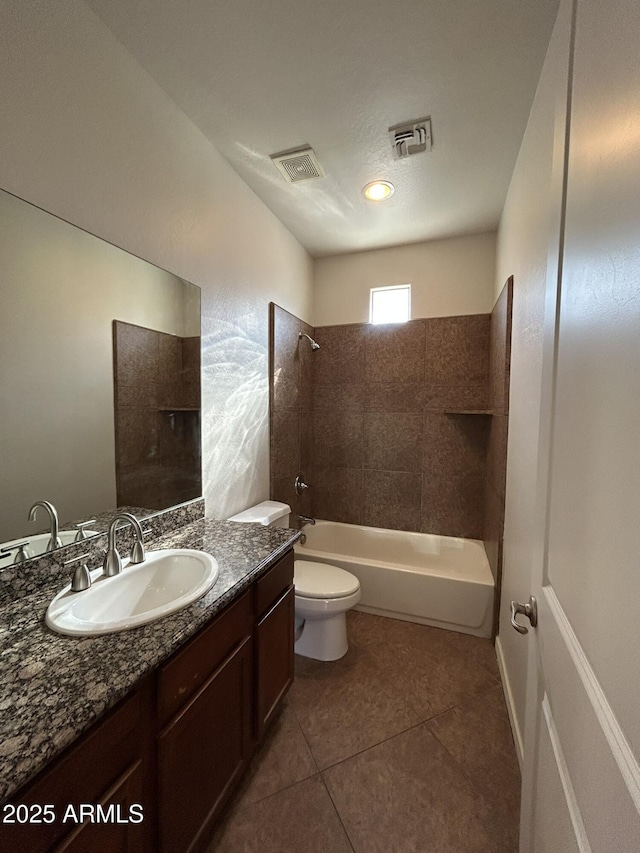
390	304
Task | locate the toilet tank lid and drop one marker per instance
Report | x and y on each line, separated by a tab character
264	513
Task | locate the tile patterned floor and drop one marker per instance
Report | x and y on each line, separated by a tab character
403	746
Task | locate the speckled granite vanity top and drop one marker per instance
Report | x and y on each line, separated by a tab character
55	687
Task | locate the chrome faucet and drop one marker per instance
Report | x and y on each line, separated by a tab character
305	519
54	539
112	564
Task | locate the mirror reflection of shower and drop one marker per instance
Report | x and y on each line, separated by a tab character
314	345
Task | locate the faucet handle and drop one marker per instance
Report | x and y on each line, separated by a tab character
112	563
300	485
81	579
21	553
82	534
137	554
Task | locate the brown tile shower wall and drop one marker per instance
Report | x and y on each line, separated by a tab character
391	447
157	417
496	470
290	410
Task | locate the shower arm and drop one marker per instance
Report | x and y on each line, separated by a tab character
314	345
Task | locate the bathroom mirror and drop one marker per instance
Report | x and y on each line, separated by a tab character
85	326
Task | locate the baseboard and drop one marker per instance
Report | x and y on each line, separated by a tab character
508	695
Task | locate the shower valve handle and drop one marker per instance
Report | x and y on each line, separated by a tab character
300	485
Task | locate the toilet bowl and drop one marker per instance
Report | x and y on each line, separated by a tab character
323	593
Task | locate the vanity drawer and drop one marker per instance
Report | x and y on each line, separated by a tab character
274	583
187	670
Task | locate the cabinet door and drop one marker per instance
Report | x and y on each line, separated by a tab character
88	773
274	658
203	751
119	829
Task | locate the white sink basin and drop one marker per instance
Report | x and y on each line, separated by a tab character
141	593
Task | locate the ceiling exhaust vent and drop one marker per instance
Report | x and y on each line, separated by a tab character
298	165
410	137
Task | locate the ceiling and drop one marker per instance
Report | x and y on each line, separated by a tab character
262	77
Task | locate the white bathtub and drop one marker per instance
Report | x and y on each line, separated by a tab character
418	577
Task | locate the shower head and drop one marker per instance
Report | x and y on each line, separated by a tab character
314	345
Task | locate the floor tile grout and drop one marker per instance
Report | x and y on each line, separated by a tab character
313	758
491	804
358	752
337	811
467	699
371	746
451	707
366	685
286	787
462	767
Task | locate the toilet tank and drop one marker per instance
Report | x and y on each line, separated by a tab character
268	513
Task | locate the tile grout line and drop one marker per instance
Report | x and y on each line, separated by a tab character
302	732
460	704
317	772
278	791
495	677
462	767
397	694
371	746
487	815
335	808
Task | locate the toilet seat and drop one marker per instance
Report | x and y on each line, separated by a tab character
317	608
323	581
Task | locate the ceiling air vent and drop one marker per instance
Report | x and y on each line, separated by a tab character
410	137
299	165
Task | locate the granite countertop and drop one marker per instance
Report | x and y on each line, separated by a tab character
54	687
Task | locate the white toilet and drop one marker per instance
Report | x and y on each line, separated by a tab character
324	593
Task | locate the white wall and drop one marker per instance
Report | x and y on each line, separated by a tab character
531	208
447	277
86	134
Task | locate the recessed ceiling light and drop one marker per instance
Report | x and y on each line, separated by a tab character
378	190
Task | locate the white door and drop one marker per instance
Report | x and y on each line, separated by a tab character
581	787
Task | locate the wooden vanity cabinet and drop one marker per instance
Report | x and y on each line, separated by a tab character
275	598
115	836
110	764
215	698
178	744
204	748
